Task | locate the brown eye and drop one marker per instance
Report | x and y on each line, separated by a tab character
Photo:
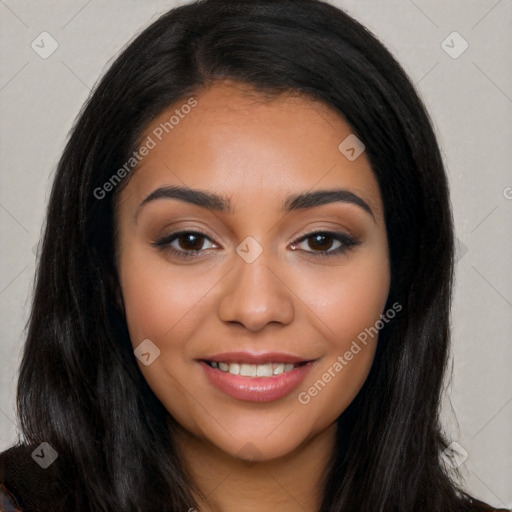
322	243
190	241
184	243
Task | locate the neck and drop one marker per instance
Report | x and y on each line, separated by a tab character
225	483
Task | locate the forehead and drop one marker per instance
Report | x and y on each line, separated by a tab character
251	148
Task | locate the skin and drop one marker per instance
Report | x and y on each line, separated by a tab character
256	153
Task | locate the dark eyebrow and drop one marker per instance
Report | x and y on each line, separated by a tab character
208	200
320	197
220	203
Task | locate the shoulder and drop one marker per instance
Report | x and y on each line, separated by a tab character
29	478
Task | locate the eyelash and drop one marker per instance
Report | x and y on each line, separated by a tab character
347	243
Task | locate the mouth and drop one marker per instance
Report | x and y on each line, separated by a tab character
256	377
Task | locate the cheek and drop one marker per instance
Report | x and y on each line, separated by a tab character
348	298
165	305
347	311
161	301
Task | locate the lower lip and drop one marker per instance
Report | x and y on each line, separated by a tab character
256	389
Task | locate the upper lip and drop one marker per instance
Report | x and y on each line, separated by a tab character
259	358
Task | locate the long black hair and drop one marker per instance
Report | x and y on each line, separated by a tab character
80	388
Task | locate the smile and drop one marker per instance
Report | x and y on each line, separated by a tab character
264	382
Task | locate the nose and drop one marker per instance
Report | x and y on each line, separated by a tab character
256	295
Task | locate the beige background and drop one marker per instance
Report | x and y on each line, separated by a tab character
469	99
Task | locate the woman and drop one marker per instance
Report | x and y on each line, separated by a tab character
236	306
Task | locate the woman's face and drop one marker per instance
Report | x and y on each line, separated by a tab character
247	281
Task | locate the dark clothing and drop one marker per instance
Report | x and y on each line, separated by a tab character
25	485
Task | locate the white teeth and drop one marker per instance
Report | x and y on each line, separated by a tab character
264	370
248	370
234	368
278	368
253	370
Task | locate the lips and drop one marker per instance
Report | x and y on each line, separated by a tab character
262	377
